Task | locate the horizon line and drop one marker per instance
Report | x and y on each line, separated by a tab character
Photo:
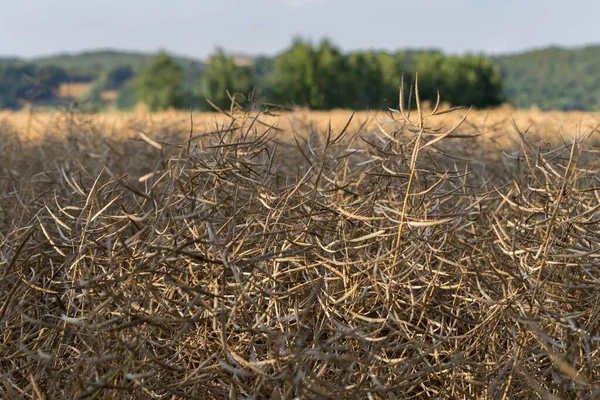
256	55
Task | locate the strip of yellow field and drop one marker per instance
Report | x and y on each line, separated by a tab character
73	90
493	124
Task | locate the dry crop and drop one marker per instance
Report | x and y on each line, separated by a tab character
411	258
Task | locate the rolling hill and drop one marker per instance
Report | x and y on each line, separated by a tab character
92	63
551	78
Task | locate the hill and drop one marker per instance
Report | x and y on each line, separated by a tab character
552	78
90	64
9	60
53	80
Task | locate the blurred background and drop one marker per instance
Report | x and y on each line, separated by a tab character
321	54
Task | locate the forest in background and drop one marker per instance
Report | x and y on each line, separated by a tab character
318	76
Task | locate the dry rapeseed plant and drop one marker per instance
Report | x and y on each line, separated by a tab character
374	264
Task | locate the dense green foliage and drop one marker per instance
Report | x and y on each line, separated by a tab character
324	78
20	83
159	83
126	98
116	77
298	77
222	75
466	81
90	65
375	79
553	78
321	77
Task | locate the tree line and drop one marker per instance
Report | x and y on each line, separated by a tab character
322	77
319	76
553	78
25	82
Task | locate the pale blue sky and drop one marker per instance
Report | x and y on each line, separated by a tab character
41	27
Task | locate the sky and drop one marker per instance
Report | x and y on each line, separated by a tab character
31	28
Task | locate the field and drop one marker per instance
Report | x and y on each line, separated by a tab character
70	92
300	255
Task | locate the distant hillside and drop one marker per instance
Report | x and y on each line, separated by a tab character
90	64
550	78
56	80
553	78
9	60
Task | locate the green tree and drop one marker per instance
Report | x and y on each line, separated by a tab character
306	76
393	67
222	75
159	83
126	98
294	77
26	82
465	81
376	79
366	78
430	66
332	77
116	77
483	80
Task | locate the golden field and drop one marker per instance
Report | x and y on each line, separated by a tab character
73	90
492	123
270	256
